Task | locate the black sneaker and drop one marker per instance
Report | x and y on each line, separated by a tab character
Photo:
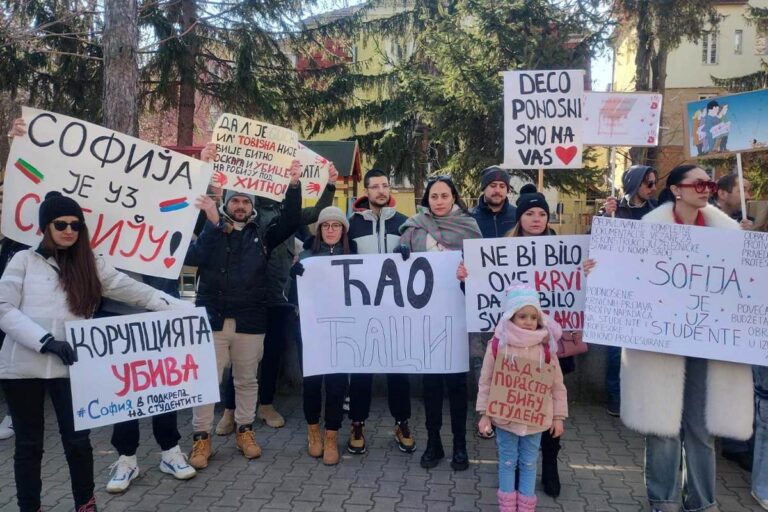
434	452
356	444
460	458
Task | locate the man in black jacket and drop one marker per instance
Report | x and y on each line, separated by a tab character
231	256
494	214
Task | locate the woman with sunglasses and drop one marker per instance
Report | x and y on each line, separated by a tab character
40	290
680	403
443	225
331	240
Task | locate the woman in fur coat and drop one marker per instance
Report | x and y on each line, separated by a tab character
681	403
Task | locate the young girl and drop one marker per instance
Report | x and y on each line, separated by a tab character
522	332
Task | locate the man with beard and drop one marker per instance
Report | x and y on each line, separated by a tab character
493	213
231	258
375	228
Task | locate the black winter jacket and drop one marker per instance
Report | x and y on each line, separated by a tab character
494	225
232	267
375	234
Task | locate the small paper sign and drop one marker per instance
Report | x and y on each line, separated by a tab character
521	391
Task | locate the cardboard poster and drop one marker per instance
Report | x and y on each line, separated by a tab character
314	172
550	264
521	390
138	198
543	113
253	157
622	119
375	313
678	289
133	366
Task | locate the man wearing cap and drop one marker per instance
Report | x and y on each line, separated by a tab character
494	214
639	182
231	257
375	229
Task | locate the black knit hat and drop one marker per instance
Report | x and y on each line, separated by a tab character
527	201
493	173
56	205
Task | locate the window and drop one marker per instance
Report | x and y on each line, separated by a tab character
738	42
709	48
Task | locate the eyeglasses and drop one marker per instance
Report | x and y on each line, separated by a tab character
649	184
376	188
61	225
700	186
333	226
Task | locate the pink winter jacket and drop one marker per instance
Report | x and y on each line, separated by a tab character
530	345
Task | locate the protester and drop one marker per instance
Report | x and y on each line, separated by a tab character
728	198
760	463
281	316
375	228
701	398
443	226
523	331
40	290
231	257
332	239
639	183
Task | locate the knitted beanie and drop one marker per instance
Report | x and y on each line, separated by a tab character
491	174
332	213
56	205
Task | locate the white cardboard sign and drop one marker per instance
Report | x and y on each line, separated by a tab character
543	119
133	366
138	198
314	172
622	119
677	289
375	313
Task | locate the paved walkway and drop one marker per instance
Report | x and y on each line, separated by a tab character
600	471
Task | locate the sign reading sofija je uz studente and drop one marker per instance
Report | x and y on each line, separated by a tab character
678	289
375	313
138	198
132	366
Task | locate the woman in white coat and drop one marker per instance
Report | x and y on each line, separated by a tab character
681	403
40	290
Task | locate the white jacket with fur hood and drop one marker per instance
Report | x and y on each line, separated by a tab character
652	384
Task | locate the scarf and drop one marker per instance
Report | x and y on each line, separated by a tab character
449	231
508	334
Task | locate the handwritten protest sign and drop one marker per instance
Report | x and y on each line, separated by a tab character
543	119
621	118
551	265
314	171
376	313
521	391
678	289
253	157
134	366
138	198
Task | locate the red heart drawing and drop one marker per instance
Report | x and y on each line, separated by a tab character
566	154
169	262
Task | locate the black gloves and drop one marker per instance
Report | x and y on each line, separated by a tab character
297	269
404	251
62	349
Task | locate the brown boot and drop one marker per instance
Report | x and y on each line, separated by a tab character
201	450
331	448
246	442
315	441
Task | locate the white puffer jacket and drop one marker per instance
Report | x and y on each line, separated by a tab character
33	304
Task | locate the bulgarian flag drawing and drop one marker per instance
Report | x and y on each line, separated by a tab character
29	171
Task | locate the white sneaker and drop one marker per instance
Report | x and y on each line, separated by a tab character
123	472
174	462
762	503
6	428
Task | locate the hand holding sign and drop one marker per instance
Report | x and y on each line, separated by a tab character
333	175
18	128
208	205
209	152
295	172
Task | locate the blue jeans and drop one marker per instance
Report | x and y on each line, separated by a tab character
663	454
760	465
521	453
612	378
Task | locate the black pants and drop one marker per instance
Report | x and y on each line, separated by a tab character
125	436
335	389
456	385
26	401
398	396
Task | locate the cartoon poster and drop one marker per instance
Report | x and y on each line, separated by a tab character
622	118
724	125
138	198
543	113
314	172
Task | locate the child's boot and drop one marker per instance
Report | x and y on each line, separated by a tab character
526	503
507	501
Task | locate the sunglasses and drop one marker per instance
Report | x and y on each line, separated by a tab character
700	186
61	225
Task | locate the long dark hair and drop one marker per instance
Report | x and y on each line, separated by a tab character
78	274
675	177
454	191
318	241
